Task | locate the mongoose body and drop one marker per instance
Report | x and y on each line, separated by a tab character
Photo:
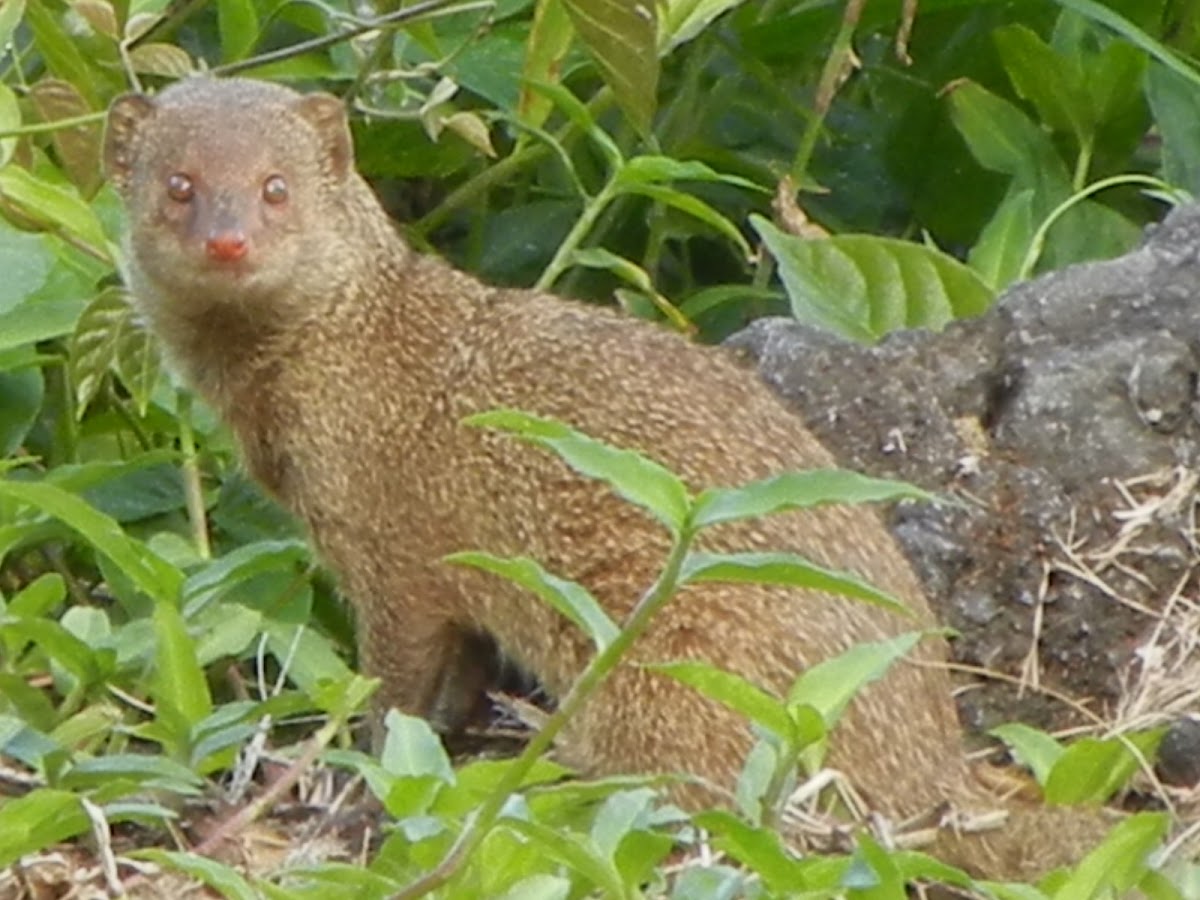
345	363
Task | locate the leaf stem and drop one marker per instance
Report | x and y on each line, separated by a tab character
582	227
193	490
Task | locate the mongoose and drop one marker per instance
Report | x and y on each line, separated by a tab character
345	363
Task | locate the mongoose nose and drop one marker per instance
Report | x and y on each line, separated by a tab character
227	246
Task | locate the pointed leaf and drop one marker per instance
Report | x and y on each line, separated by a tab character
1091	770
829	686
546	49
788	569
733	691
636	478
411	749
1000	252
693	206
863	287
38	821
799	490
179	680
569	598
1113	868
149	572
622	37
54	206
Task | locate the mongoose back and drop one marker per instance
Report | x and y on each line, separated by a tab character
344	363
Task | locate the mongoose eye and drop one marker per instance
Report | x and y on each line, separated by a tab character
275	189
180	188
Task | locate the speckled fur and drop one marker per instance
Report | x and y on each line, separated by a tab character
344	363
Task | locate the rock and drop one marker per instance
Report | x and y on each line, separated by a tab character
1071	401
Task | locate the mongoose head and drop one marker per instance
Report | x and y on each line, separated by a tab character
234	188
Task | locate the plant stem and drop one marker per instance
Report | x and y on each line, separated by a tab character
583	225
585	685
192	489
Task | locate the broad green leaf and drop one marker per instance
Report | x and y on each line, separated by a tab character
179	681
633	476
239	28
545	51
539	887
1031	747
570	850
19	739
621	815
139	768
864	287
1175	102
622	36
26	261
39	596
311	662
37	821
39	321
1109	18
787	569
873	874
569	598
829	686
1003	244
760	849
411	749
733	691
10	113
1113	868
228	629
1091	770
799	490
54	207
108	337
61	647
220	877
142	566
1000	136
22	392
60	53
11	12
681	20
239	565
1052	82
693	206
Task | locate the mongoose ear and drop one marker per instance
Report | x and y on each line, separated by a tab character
125	116
327	115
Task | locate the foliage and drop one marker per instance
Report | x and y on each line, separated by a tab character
158	615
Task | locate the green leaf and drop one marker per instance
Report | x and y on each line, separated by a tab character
621	36
412	749
572	851
642	170
582	119
872	874
733	691
11	12
829	686
760	849
60	646
546	49
1118	863
634	477
787	569
1175	102
220	877
799	490
37	821
569	598
108	337
1052	82
539	887
153	772
60	54
239	28
1001	137
1091	770
694	207
40	321
681	20
240	565
10	112
54	207
1030	747
25	260
1000	252
179	682
39	596
864	287
147	570
22	392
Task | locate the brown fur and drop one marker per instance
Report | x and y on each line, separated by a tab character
345	363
